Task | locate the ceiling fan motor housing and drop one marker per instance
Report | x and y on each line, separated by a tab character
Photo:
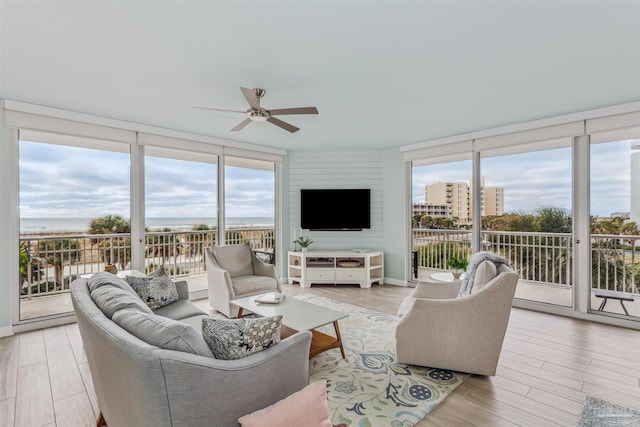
258	115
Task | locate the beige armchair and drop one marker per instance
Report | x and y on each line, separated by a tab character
234	271
438	329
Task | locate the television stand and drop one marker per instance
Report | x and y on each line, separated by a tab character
336	267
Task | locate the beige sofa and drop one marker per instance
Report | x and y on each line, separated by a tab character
140	382
438	329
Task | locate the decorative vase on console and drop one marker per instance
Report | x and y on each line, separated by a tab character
304	243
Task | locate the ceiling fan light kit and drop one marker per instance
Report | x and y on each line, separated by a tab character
258	114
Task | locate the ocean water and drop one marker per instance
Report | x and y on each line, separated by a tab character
78	225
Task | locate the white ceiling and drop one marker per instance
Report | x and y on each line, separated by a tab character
382	74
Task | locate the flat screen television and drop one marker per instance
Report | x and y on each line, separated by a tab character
335	209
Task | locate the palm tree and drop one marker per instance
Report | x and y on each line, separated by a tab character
114	249
163	245
109	224
56	253
197	242
554	220
631	229
426	221
25	262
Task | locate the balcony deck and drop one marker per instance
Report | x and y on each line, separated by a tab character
554	295
61	303
48	305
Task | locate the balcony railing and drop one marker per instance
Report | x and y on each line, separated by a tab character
536	257
48	264
543	258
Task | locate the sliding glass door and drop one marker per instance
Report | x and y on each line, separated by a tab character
615	233
526	217
250	205
180	212
441	213
74	216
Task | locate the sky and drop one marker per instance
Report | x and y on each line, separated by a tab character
60	181
542	179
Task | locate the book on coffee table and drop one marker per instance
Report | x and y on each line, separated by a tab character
270	298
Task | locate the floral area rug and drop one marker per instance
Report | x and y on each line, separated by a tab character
368	388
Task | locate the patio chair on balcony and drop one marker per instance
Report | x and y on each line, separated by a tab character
439	329
234	271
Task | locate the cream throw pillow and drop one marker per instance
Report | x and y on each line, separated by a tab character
485	273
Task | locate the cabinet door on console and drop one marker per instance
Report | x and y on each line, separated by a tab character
350	274
320	274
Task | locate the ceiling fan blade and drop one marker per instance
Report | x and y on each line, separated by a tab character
252	98
218	109
283	125
241	125
300	110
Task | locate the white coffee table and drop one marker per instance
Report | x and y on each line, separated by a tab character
444	277
299	315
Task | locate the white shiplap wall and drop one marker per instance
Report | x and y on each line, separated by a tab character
358	169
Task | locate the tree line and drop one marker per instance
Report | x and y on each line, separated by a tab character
114	250
544	220
613	258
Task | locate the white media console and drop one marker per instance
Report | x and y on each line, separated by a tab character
349	267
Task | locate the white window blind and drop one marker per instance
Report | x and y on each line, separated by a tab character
609	123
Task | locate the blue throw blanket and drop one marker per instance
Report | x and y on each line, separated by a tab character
474	262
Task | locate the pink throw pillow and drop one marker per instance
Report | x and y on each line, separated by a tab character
307	407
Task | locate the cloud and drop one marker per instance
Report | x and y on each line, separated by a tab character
60	181
544	178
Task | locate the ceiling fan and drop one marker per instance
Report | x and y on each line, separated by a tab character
258	114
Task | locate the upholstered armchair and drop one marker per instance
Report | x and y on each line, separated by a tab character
438	329
234	271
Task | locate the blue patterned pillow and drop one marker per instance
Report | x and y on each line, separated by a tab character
156	290
237	338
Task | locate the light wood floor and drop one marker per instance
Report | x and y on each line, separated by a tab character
548	365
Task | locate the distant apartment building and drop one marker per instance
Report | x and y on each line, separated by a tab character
455	195
435	211
623	215
493	201
455	200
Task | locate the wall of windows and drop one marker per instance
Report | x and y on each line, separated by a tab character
556	198
95	194
68	194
